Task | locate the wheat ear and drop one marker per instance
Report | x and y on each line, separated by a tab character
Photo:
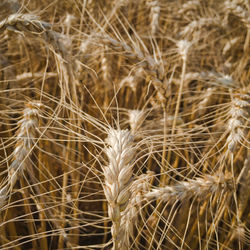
118	173
130	215
26	138
235	123
200	187
31	24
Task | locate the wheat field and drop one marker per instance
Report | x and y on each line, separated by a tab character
124	124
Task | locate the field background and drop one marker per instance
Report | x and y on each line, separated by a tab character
157	91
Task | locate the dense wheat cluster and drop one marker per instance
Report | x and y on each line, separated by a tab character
124	124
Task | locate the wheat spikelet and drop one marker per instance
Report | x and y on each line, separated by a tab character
170	119
230	44
136	118
206	101
198	24
68	22
4	195
240	233
244	184
183	48
221	79
155	15
28	75
235	8
190	5
133	80
106	68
